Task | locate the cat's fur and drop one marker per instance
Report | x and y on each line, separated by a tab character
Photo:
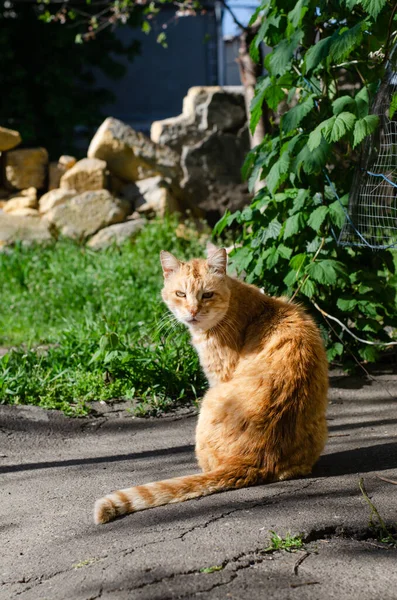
263	417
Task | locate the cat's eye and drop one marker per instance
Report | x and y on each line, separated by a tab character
208	294
181	294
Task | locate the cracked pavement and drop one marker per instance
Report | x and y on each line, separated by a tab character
52	469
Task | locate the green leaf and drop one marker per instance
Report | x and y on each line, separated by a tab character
271	255
312	162
297	262
369	353
284	251
345	41
268	21
273	95
293	225
278	173
295	115
272	231
337	127
146	27
308	288
346	304
317	53
362	102
393	105
364	127
295	16
337	214
335	350
341	103
277	62
373	7
256	103
317	217
325	271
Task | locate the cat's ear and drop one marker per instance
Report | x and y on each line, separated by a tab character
169	263
217	259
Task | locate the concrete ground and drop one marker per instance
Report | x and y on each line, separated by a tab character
52	469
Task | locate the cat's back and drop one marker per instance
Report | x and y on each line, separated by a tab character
284	334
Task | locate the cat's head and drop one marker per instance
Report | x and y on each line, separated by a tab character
196	292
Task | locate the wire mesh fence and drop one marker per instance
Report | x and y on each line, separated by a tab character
371	218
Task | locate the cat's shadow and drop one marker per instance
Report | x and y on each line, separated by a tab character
379	457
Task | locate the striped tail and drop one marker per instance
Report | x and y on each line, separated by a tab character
178	489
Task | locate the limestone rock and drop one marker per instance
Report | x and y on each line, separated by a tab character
26	168
84	214
205	109
155	196
9	138
116	234
23	211
15	228
87	174
27	199
57	169
212	176
130	155
55	198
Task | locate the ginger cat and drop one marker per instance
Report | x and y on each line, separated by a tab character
263	417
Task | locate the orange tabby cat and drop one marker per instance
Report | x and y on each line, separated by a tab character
263	418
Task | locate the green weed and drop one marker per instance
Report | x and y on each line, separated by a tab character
289	543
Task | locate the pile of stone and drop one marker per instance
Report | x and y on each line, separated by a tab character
192	162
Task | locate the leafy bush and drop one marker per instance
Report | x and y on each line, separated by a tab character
326	64
99	315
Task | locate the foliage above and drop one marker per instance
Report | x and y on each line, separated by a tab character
326	63
48	82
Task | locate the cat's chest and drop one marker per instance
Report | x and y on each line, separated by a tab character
218	361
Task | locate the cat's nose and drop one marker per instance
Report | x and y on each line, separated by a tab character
193	311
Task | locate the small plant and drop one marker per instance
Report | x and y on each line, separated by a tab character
290	543
376	522
211	569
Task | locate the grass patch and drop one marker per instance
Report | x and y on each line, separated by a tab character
290	543
101	317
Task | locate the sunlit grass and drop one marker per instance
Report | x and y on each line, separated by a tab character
101	321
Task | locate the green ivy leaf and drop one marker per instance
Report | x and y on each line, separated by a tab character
295	115
317	217
364	127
